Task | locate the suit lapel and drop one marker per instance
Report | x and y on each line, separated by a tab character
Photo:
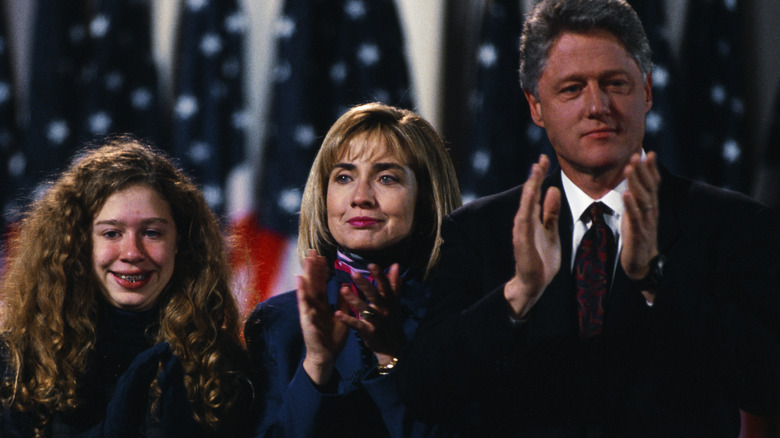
556	312
565	223
669	228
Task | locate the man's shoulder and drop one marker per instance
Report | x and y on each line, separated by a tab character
498	203
700	196
698	208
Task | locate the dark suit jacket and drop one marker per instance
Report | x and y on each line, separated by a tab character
684	367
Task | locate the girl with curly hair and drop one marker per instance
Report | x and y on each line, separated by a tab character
117	314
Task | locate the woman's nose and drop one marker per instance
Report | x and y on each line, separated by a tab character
132	249
363	195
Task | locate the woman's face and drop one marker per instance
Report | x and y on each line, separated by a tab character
134	247
370	199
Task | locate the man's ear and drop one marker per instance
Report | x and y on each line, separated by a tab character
649	92
536	108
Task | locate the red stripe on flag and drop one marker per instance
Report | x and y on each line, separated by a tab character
257	257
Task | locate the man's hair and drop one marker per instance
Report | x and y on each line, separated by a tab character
551	18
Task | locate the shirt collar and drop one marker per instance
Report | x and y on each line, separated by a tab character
579	201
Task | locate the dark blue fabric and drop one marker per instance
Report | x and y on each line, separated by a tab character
208	122
502	142
127	409
121	337
116	388
359	403
713	146
662	123
9	138
118	81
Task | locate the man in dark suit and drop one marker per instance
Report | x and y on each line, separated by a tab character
655	313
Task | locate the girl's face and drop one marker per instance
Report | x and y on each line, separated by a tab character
370	199
134	247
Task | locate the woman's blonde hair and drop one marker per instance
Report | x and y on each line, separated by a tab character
409	138
50	292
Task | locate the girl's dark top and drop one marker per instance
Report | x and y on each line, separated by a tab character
122	337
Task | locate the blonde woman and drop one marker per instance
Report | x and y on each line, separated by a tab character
368	238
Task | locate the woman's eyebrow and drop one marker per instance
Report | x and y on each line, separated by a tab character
385	166
346	166
147	221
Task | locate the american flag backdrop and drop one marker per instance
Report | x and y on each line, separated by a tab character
661	124
503	141
330	55
713	146
92	73
59	52
9	147
208	119
119	90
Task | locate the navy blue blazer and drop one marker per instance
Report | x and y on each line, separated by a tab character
683	367
358	403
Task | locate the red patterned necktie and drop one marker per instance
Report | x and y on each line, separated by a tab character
592	271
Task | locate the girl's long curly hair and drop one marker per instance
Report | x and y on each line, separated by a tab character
49	291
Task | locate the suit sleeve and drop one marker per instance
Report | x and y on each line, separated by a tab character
398	419
383	389
292	405
720	303
755	289
467	336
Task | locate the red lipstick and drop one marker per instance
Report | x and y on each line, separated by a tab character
362	222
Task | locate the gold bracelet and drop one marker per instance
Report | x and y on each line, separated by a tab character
385	369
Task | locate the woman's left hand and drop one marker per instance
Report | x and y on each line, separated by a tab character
379	324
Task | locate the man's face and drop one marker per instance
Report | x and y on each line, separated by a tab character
592	103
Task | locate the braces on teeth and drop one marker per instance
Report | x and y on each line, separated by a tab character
133	278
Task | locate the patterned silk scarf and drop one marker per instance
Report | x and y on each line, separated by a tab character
348	263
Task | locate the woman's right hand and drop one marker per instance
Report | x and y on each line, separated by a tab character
323	334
